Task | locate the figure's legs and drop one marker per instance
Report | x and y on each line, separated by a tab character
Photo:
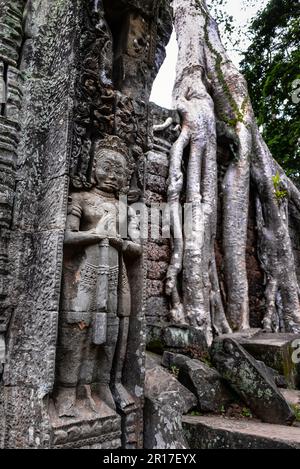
122	397
104	362
69	356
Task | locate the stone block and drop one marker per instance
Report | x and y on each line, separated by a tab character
276	351
251	382
32	343
38	268
155	252
207	384
155	288
166	400
219	433
171	359
179	338
163	337
157	308
157	270
162	385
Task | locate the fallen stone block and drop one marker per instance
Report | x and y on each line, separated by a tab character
166	400
207	384
171	359
158	382
279	380
251	382
212	432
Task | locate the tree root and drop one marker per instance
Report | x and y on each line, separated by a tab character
209	88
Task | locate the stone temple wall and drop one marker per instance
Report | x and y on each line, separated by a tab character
158	247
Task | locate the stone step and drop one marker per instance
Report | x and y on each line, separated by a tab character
213	432
278	351
291	396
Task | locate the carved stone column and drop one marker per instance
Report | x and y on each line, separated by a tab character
37	226
11	35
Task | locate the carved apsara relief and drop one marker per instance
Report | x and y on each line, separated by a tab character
96	298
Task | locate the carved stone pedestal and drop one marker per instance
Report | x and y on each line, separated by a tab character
130	425
99	429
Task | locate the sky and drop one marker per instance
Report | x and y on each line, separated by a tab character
163	85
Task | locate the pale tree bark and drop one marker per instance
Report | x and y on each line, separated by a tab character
209	89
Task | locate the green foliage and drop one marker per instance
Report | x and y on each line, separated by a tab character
222	410
296	409
175	371
195	413
280	194
271	66
246	413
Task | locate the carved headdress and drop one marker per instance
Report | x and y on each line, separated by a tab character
82	174
114	143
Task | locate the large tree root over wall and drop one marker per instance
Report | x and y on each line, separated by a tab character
210	90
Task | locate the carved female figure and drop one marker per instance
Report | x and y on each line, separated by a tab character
96	300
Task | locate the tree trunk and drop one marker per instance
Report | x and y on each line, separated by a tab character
210	90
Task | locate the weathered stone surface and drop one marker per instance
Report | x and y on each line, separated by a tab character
44	208
279	380
157	253
170	359
207	384
276	351
166	400
155	342
163	426
154	198
250	381
38	356
156	183
161	336
155	288
157	164
156	309
101	428
220	433
180	337
38	267
162	385
25	408
157	270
